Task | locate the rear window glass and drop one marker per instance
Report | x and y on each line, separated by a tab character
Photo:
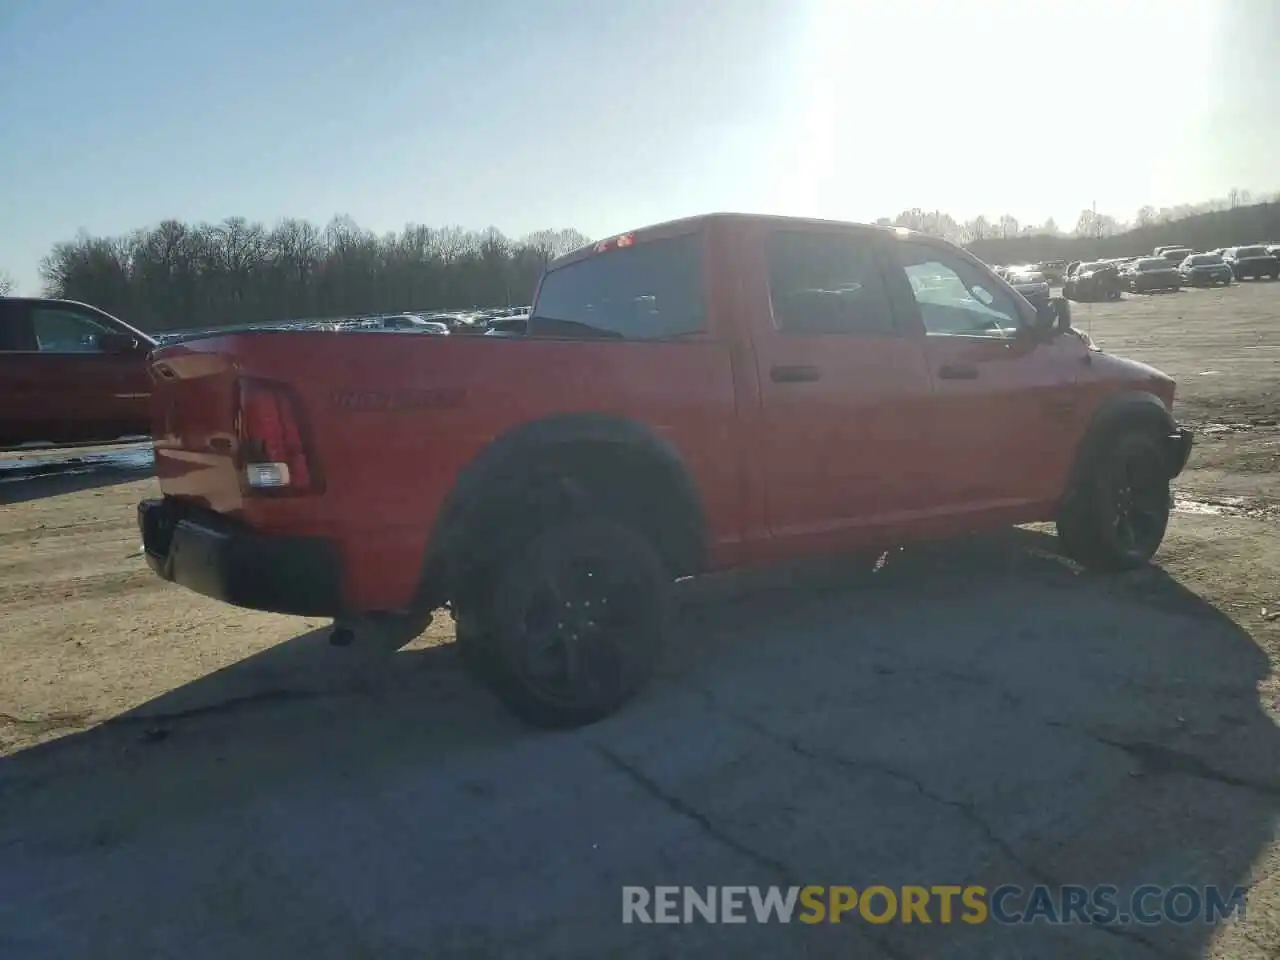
1252	251
649	291
1204	259
1153	264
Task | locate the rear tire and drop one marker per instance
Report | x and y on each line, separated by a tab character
1117	517
474	639
578	620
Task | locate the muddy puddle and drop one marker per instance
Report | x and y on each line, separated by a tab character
1226	507
1217	429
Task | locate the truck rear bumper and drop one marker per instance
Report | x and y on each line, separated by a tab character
210	555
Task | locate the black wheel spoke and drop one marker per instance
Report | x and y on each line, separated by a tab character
579	631
1140	504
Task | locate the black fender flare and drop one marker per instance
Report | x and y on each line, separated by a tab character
508	467
1136	409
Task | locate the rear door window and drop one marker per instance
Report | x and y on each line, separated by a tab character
649	291
827	283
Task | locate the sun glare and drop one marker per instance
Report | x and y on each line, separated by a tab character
1017	107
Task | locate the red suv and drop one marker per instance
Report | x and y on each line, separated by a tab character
70	373
713	393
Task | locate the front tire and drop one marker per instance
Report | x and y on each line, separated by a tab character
578	620
1117	516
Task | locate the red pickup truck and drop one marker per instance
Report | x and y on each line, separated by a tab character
70	373
707	394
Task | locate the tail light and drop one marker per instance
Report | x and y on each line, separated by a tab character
273	439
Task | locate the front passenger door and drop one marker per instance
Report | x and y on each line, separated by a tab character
80	390
1002	401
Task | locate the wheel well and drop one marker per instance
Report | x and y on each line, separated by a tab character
625	480
1147	414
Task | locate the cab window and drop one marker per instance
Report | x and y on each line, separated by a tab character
58	330
649	291
955	298
827	283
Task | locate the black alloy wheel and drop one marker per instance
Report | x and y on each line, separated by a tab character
579	622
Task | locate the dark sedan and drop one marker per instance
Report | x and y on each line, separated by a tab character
1153	273
1097	280
1204	269
1252	263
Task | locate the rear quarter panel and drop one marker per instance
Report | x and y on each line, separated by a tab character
395	417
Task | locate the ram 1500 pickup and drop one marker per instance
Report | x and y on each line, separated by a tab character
712	393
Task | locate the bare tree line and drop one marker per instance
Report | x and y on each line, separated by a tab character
181	276
1090	224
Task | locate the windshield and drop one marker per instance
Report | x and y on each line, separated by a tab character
1153	264
1029	278
1097	265
1204	259
1251	252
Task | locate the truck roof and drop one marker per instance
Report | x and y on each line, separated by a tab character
687	224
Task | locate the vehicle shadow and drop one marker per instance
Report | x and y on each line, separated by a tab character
974	712
34	475
56	483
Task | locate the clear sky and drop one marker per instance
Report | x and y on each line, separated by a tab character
604	116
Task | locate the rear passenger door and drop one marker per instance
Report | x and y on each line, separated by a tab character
843	388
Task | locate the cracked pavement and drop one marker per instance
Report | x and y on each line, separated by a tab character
972	713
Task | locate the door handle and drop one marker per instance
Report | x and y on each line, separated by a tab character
958	371
797	374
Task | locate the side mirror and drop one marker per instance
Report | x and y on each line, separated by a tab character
118	343
1052	316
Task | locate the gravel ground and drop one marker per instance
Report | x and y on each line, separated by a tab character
181	778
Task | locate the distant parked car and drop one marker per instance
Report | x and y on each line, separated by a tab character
1054	270
1153	273
1175	255
1033	285
1159	251
1252	263
1200	269
1096	280
70	373
412	321
514	325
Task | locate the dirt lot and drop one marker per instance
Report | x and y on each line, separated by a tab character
184	779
